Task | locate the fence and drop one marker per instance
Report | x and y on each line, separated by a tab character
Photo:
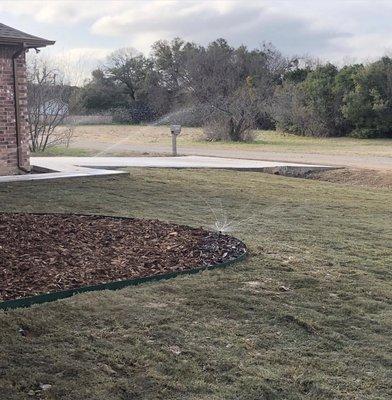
88	120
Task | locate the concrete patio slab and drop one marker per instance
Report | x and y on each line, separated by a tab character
68	167
56	175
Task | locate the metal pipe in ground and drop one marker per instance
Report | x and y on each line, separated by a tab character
174	145
175	131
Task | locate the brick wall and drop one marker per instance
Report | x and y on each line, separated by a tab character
8	142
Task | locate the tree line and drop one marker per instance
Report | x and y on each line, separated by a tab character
232	90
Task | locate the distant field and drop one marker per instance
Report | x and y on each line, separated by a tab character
265	140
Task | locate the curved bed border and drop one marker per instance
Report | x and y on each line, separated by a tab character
114	285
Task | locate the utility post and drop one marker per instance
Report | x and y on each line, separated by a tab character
175	131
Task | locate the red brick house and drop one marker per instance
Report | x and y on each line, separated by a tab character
14	146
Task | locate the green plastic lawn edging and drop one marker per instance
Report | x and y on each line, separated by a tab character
63	294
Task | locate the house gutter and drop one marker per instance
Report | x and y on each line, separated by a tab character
19	155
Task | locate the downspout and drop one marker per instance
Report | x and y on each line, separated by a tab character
19	155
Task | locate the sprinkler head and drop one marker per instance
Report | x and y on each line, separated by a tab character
175	129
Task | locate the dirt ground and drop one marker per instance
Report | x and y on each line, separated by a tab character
356	177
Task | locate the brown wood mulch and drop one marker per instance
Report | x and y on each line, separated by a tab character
44	253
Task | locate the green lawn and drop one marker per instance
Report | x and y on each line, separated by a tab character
62	151
307	316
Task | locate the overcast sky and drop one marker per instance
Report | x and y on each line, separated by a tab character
339	30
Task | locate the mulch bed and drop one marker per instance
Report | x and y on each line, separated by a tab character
44	253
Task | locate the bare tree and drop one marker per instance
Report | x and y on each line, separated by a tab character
234	85
48	97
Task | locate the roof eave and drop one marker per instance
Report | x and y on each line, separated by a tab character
26	43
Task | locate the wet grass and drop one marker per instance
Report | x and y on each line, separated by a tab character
307	316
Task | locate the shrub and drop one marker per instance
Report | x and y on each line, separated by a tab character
369	105
315	106
293	115
218	128
134	114
365	133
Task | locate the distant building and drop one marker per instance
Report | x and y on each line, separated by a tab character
54	107
14	139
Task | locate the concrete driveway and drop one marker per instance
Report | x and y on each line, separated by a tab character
67	167
78	163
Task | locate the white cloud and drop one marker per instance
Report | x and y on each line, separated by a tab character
78	63
249	23
365	47
60	11
331	29
79	53
75	64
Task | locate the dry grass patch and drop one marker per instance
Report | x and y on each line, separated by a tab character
133	134
264	140
356	177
